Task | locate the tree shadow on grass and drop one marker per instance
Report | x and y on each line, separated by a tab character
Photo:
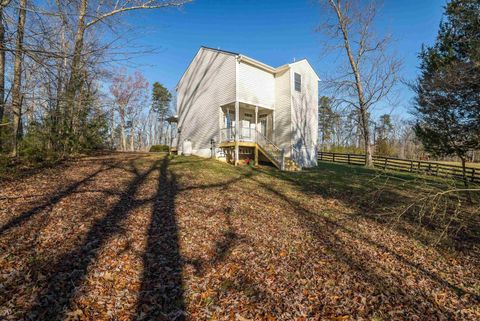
324	229
390	198
51	201
222	247
161	291
70	270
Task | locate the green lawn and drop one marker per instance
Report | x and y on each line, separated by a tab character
474	165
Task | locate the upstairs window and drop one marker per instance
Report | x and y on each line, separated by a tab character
298	82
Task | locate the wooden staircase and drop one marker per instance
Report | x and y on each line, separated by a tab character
263	145
276	155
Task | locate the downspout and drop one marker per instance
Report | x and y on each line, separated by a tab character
237	112
256	138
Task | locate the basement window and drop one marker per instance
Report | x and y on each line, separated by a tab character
298	82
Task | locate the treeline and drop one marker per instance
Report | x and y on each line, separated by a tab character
55	59
391	135
445	122
138	115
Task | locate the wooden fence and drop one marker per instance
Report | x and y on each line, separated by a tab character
404	165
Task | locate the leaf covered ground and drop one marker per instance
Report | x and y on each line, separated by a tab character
142	237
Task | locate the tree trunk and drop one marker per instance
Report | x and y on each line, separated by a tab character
56	129
2	73
151	130
74	82
2	67
17	76
464	171
162	129
366	138
465	178
156	131
358	84
122	131
132	137
112	129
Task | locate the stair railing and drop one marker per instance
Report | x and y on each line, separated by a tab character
276	153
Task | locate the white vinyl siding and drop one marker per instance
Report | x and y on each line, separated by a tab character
289	97
208	83
283	115
255	86
305	115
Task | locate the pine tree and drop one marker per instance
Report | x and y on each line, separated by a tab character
325	120
161	98
447	102
383	131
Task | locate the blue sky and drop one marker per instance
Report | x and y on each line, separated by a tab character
274	32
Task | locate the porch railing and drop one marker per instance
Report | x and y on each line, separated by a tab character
245	134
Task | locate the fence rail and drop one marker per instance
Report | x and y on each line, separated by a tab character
405	165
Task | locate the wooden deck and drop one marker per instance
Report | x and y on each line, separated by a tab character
240	144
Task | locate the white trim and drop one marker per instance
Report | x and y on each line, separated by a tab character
308	63
263	66
253	104
256	104
256	63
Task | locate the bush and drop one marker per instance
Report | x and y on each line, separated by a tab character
33	149
159	148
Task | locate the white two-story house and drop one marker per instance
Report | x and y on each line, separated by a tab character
233	107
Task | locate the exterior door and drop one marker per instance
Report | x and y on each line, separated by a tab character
246	129
263	125
229	125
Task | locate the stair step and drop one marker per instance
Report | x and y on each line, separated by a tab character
274	154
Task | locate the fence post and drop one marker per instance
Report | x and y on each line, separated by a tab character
333	157
473	174
385	164
348	159
282	165
321	155
411	166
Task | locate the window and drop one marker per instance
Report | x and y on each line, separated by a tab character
248	115
298	82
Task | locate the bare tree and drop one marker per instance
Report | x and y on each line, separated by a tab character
17	75
129	94
101	12
372	71
52	59
3	4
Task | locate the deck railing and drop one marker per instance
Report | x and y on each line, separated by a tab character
245	134
405	165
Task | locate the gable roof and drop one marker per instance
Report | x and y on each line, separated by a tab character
220	50
250	61
308	63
